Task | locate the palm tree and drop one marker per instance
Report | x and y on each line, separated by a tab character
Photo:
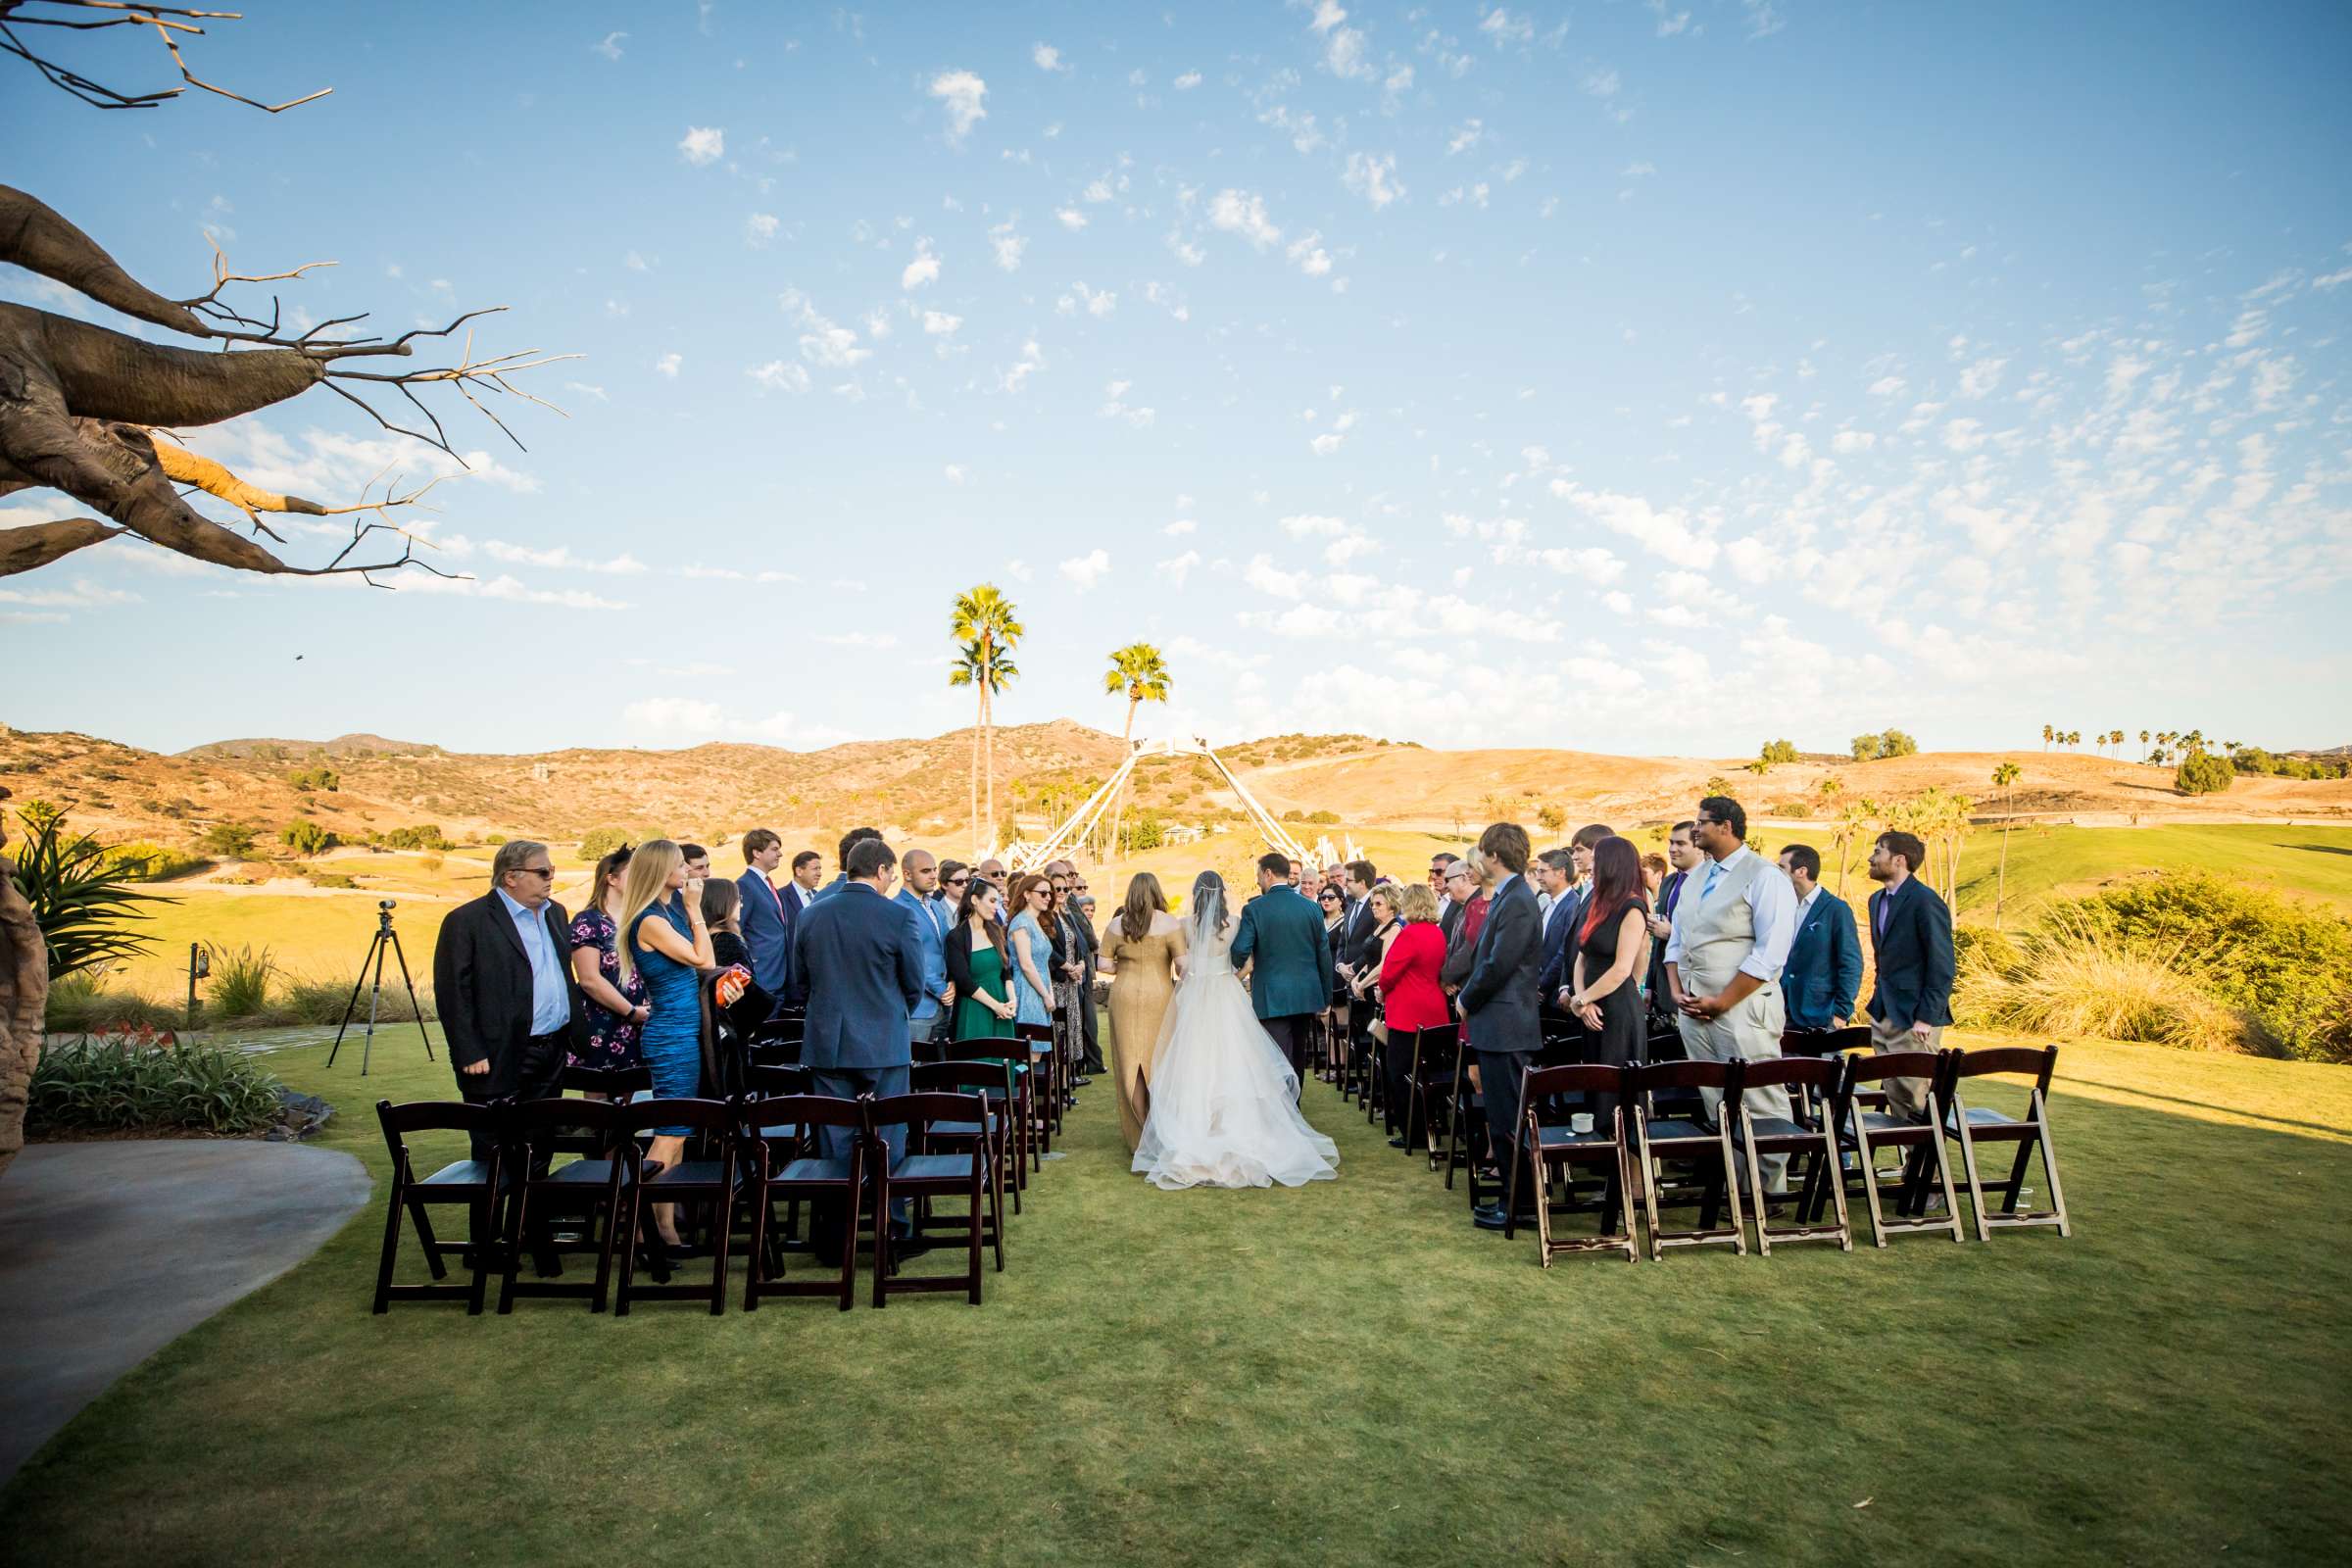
2004	779
2046	733
1139	670
1828	787
2073	738
1851	821
1759	767
984	624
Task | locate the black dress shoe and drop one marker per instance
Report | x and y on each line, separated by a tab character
1487	1217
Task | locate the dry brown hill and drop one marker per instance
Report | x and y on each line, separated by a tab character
919	786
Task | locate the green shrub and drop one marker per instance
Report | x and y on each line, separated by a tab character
81	1003
596	842
127	1082
329	879
494	839
423	836
1778	751
2071	978
83	907
2203	773
1323	819
240	983
320	777
307	838
142	862
232	841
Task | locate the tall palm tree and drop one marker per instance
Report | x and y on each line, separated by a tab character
986	627
2046	733
2004	779
1139	670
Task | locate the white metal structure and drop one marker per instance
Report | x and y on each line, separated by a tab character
1025	857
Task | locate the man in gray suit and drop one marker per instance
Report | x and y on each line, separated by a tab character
1282	936
863	955
1499	1002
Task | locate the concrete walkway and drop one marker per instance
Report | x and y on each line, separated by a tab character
111	1250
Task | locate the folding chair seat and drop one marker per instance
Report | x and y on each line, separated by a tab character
1971	1125
1687	1138
593	1187
1429	1083
992	1135
923	1172
1547	1138
1808	1134
477	1184
1046	1096
796	1170
1864	1131
998	1048
709	1173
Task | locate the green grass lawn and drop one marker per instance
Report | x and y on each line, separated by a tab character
1348	1373
2308	862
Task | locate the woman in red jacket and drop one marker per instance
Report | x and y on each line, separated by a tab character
1411	998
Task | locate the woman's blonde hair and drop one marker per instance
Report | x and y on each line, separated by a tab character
649	878
1144	899
1417	902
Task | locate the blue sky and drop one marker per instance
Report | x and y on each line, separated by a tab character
1629	377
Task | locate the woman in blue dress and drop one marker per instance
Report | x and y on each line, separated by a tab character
665	941
1032	950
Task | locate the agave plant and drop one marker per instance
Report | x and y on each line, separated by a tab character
84	904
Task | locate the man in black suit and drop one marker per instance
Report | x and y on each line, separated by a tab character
1358	945
1498	998
502	979
1683	855
1554	873
1911	945
1453	894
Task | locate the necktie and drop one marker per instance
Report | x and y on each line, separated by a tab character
1714	868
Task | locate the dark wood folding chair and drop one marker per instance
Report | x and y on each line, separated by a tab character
1810	1135
1012	1053
593	1187
1461	1129
1971	1125
1549	1140
1865	1131
766	1081
1046	1091
922	1172
474	1183
710	1175
1683	1138
794	1170
1429	1083
993	1135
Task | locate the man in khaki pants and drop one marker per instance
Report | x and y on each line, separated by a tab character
1911	950
1732	930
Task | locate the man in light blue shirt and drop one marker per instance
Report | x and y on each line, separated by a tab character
551	999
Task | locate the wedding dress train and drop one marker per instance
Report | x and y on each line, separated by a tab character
1224	1102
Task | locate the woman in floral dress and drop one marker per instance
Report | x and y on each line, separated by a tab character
616	1008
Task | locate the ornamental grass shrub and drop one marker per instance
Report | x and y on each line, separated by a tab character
140	1081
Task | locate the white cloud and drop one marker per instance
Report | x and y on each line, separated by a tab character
780	375
1670	533
1177	567
1182	527
761	227
1007	245
1244	213
702	144
1324	445
923	269
1082	572
83	595
1502	27
1311	526
1188	82
858	639
611	47
561	558
939	324
1306	253
1263	575
1072	218
1468	134
960	91
1887	387
1373	177
669	364
1046	57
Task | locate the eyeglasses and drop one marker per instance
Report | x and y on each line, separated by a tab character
547	871
957	881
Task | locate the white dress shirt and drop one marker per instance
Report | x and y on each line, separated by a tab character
1771	910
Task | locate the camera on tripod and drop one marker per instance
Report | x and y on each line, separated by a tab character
371	969
386	903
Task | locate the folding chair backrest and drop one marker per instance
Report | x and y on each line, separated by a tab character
1821	1074
547	1124
918	1111
1825	1042
960	1077
1040	1033
702	1115
800	1110
1870	1068
2036	1064
434	1116
1580	1078
613	1083
988	1047
1649	1077
767	1081
1664	1045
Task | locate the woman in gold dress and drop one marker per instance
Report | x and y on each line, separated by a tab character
1143	951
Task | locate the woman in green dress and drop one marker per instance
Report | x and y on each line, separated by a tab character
976	965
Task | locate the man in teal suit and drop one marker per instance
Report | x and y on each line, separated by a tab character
1282	934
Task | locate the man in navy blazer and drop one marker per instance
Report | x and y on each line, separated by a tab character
767	916
1281	938
1824	971
863	960
1554	871
1499	1006
1911	942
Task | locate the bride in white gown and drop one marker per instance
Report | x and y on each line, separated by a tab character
1224	1102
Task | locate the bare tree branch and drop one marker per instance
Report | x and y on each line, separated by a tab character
23	549
167	20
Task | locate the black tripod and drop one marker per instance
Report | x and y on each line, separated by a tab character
385	938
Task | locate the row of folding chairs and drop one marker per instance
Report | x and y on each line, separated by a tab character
1658	1115
776	1145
